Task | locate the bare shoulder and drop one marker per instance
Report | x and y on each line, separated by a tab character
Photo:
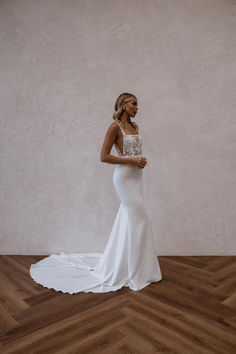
113	128
136	126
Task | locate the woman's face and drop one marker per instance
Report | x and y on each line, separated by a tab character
131	107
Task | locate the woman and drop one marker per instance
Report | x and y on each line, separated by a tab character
129	258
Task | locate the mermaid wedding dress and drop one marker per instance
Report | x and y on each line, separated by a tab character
129	258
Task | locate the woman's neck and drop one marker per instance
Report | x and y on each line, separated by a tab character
125	118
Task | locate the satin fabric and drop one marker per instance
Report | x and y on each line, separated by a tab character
129	258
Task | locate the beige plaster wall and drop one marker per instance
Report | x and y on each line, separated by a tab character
62	65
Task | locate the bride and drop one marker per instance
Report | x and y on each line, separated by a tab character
129	258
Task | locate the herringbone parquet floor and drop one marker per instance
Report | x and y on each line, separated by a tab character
191	310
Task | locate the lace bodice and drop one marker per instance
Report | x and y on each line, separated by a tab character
132	144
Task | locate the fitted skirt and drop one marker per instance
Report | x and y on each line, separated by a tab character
129	258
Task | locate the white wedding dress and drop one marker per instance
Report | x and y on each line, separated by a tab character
129	258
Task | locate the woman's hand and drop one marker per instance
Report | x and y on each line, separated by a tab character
138	162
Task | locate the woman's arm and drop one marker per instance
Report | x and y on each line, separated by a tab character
109	140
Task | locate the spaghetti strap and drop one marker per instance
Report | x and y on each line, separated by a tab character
136	126
121	128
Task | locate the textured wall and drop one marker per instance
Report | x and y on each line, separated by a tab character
63	64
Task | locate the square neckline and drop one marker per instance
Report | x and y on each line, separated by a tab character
125	132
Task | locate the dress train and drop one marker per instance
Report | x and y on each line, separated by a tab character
129	258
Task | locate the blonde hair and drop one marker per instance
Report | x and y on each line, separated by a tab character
123	98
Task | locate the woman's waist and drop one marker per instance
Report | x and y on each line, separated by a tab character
126	166
132	155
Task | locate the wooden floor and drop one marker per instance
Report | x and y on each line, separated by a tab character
191	310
